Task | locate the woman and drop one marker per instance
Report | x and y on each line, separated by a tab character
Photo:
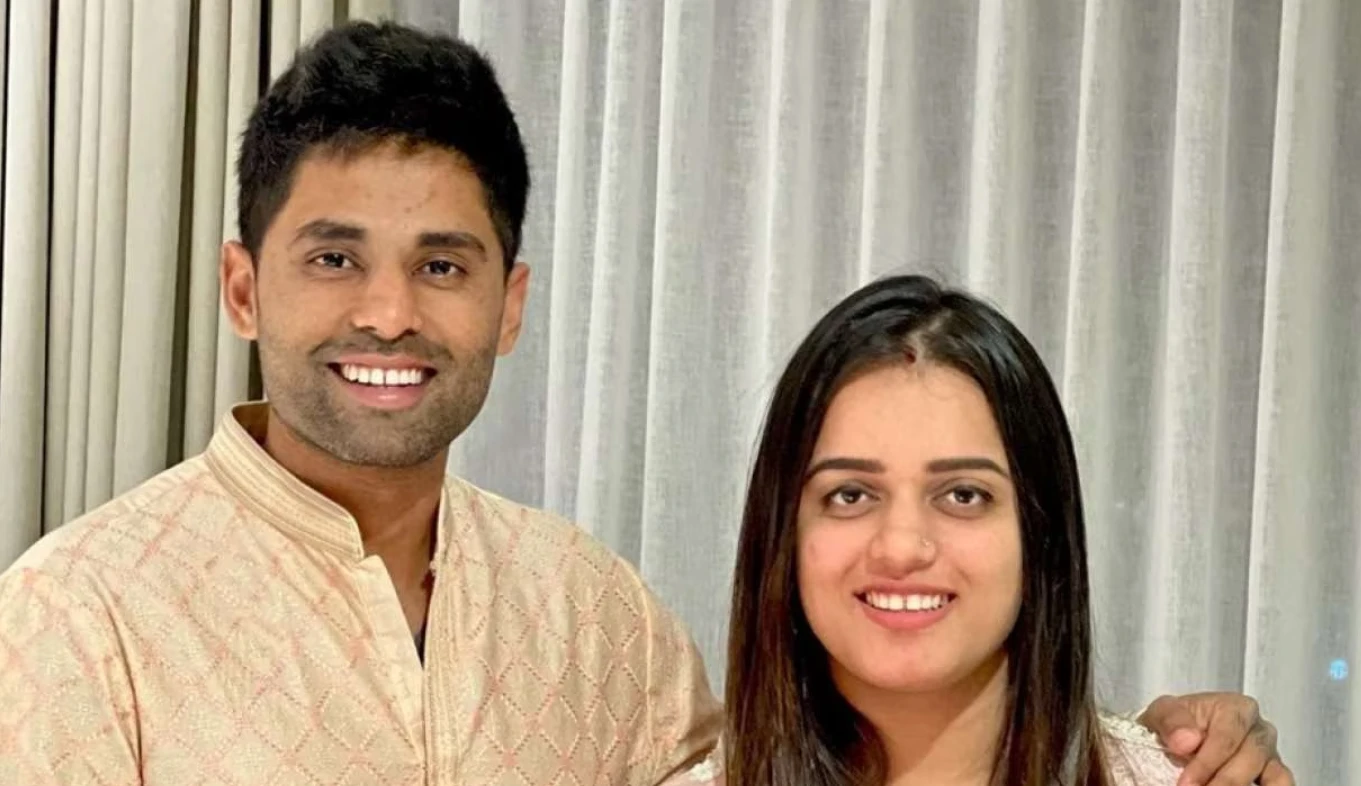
911	604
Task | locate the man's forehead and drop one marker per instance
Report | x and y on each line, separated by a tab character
346	150
439	193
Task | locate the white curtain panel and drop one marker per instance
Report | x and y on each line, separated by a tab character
1163	194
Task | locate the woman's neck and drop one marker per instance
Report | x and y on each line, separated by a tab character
942	738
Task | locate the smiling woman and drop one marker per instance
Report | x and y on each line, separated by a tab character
910	602
918	531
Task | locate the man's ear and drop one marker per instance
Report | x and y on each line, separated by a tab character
512	314
236	273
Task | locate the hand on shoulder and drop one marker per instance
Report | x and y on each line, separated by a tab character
1135	756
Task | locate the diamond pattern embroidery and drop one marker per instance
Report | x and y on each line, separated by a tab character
215	627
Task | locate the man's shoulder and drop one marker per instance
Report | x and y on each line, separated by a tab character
117	535
532	533
560	554
576	616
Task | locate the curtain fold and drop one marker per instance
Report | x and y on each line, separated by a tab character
23	278
68	411
232	372
1303	609
160	45
1162	194
64	280
110	226
212	70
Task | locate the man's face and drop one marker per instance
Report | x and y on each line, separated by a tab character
380	301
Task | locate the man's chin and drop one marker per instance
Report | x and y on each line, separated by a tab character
373	438
385	437
385	456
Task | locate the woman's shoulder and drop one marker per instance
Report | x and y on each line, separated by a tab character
1135	756
1133	753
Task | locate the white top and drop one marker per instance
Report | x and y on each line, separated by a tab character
1133	755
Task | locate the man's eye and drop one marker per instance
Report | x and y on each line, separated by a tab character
442	268
333	260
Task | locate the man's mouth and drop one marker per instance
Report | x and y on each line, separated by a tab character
382	377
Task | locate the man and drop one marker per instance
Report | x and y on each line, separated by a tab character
311	600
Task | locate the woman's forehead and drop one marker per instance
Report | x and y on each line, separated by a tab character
920	410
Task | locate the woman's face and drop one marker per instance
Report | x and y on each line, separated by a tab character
909	548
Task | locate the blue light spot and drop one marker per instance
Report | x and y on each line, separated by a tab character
1338	670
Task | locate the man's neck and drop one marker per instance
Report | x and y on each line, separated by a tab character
395	508
944	737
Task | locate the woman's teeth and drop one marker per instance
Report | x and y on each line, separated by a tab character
892	602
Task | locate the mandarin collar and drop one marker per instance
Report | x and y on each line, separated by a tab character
274	494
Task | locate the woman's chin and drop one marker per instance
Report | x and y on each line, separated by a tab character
919	676
915	683
913	677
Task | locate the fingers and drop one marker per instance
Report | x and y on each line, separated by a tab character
1243	768
1171	719
1226	744
1223	737
1252	760
1277	774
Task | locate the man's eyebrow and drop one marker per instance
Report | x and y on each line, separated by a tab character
329	229
452	239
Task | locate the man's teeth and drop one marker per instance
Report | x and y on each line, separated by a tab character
890	602
389	377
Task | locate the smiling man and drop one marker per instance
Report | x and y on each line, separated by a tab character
312	600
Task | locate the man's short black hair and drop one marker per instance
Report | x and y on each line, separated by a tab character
362	84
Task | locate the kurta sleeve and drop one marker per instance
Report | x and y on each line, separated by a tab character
684	718
67	711
708	772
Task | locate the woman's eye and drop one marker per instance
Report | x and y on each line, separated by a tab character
968	498
848	496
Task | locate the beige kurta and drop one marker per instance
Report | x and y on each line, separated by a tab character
222	625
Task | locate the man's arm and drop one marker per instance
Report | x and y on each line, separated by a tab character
684	718
67	714
1223	737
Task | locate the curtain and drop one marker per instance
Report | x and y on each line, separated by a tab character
1162	194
